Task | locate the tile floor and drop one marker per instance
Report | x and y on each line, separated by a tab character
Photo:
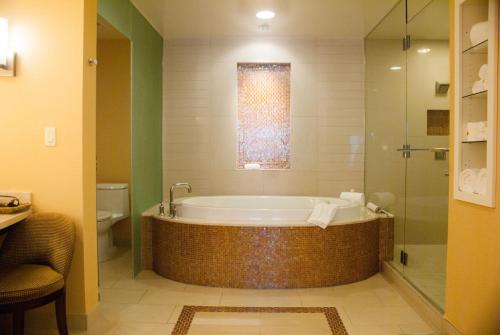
151	304
259	323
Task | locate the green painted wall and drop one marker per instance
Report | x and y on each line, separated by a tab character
147	55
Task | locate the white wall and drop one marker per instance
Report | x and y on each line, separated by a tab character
327	114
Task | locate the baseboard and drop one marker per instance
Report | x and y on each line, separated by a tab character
427	311
450	329
45	318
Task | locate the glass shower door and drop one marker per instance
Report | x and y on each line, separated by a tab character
407	136
427	112
386	119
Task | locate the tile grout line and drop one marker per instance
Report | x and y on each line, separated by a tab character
171	314
142	296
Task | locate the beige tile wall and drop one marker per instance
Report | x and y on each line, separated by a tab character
327	115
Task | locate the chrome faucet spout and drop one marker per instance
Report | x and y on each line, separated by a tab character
172	209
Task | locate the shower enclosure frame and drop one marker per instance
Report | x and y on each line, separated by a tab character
417	173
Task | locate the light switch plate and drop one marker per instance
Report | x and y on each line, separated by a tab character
50	137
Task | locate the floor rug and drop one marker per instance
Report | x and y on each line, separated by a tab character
259	320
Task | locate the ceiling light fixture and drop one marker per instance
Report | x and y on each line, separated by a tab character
265	14
395	68
424	50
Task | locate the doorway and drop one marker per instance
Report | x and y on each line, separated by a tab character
113	151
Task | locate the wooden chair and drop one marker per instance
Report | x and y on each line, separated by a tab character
34	262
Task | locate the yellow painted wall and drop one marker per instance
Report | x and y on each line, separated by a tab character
473	273
54	87
113	120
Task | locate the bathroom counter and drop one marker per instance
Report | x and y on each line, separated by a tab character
7	220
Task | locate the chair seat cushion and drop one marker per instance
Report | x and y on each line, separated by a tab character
27	282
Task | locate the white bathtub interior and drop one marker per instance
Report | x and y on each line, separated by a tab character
287	210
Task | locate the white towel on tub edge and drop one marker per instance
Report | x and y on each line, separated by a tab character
322	214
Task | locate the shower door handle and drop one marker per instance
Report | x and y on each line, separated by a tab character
407	149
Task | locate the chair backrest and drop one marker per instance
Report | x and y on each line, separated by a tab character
44	239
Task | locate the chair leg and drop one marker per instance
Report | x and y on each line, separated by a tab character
18	323
61	313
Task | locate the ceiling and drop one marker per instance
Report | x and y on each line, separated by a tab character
431	21
105	31
230	18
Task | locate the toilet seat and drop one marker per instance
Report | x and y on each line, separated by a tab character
112	202
103	215
104	242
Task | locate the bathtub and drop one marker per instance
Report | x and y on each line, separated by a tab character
261	210
265	242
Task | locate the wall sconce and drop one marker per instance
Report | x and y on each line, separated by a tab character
7	56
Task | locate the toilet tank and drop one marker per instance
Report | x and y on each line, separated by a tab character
113	197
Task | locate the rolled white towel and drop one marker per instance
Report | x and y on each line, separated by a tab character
479	32
356	197
478	86
483	72
467	180
481	182
322	214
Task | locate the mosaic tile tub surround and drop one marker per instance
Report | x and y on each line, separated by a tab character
266	257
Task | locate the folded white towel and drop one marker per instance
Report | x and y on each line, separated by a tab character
479	32
478	86
322	214
476	131
467	180
481	182
483	72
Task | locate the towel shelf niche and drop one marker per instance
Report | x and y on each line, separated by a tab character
476	58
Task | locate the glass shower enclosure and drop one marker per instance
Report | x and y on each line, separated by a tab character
407	136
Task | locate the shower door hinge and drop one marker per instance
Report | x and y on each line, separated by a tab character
403	258
406	42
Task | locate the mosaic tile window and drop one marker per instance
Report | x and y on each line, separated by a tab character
264	115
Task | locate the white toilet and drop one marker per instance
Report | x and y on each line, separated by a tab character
112	206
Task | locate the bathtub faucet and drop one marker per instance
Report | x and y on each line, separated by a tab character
173	211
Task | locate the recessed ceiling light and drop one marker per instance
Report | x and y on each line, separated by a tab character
265	14
395	68
424	50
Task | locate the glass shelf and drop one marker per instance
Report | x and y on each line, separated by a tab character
478	95
472	106
480	48
471	142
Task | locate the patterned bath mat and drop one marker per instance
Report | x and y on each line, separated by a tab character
234	319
